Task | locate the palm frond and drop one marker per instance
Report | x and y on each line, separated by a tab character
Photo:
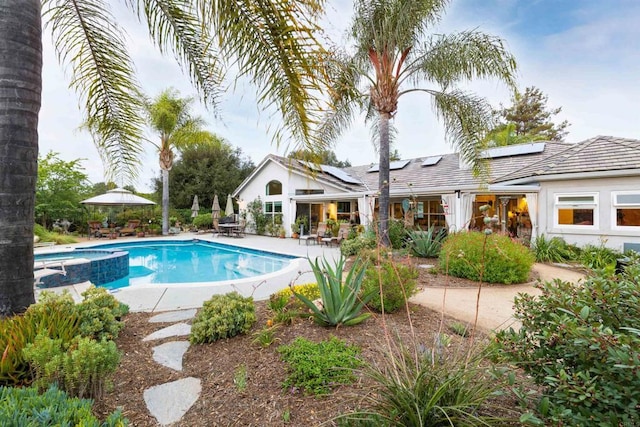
343	75
466	117
274	43
86	36
448	59
175	26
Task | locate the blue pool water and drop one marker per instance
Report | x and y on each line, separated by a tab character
172	261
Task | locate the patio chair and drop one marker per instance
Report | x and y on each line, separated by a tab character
315	237
130	228
239	230
97	230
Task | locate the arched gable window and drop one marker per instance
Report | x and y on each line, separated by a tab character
274	188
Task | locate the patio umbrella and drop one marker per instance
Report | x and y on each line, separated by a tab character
195	207
228	211
215	211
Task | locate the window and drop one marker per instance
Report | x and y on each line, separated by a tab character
301	192
274	188
429	213
344	211
576	210
273	210
626	208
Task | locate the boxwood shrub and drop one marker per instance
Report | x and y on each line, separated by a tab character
223	316
494	258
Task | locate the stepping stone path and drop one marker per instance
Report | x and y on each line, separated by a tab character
170	401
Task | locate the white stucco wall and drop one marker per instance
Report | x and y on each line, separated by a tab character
605	230
290	182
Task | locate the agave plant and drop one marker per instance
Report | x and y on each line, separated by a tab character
340	302
426	244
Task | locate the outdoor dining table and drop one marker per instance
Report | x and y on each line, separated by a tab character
229	228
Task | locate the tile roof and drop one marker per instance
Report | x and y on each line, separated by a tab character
602	153
599	154
447	172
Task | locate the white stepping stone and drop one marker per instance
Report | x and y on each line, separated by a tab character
426	266
173	316
169	402
170	354
177	330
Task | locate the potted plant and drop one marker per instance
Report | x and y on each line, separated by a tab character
300	225
281	232
139	232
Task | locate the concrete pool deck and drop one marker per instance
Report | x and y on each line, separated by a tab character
156	298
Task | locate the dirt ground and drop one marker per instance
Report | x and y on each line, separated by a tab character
264	402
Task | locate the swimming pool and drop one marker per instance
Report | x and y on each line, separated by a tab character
191	261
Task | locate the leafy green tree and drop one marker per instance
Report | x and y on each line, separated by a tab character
321	156
60	189
392	54
272	42
528	119
170	116
206	170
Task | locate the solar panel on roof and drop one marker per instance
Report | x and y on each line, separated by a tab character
333	171
396	164
340	174
430	161
513	150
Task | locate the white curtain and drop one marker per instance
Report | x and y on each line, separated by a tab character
466	208
449	203
364	210
532	205
292	214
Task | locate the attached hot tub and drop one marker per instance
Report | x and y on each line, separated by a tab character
81	265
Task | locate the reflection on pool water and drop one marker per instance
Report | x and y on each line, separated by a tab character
175	261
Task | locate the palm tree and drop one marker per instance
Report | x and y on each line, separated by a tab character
20	88
170	116
392	55
271	41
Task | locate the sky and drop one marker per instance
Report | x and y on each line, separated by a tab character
583	54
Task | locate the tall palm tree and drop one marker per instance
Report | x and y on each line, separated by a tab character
20	89
270	41
393	54
170	116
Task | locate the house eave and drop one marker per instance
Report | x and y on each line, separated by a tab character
576	175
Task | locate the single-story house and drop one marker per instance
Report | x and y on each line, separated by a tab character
587	192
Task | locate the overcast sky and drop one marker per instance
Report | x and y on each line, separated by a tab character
583	54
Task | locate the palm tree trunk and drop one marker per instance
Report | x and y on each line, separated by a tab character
383	180
20	91
165	202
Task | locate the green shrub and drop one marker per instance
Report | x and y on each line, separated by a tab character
100	314
412	389
50	236
425	244
203	222
552	250
398	282
494	258
397	233
26	407
287	306
54	316
317	367
223	316
354	246
599	257
340	303
580	342
81	367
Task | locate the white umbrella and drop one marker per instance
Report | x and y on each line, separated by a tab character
195	207
215	212
228	211
215	208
